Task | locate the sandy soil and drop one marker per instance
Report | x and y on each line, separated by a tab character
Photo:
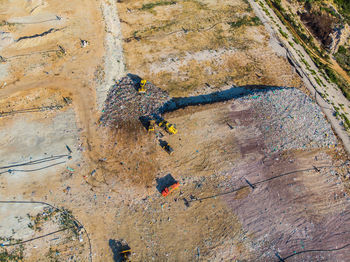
52	89
188	48
229	220
47	103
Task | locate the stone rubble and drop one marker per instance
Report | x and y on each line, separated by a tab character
124	103
289	119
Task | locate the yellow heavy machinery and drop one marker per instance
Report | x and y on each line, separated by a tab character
170	128
165	145
151	125
142	88
124	254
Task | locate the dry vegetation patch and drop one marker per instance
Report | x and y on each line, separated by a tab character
187	46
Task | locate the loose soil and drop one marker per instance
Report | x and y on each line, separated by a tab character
110	180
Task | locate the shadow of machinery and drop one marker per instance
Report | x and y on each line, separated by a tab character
220	96
164	182
176	103
119	249
145	120
136	80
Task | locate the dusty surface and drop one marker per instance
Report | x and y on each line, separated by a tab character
195	47
53	148
327	94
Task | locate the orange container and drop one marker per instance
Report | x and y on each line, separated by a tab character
168	190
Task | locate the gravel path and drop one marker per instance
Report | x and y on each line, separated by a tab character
114	67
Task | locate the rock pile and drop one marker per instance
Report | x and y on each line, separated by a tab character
124	103
289	119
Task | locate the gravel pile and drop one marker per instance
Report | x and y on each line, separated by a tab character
124	103
287	118
290	120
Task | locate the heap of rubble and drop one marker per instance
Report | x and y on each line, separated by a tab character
289	119
124	103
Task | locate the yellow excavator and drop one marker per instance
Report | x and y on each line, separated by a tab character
125	255
142	88
170	128
151	125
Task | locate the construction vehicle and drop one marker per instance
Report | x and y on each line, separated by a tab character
124	254
166	191
151	125
142	88
121	250
170	128
165	145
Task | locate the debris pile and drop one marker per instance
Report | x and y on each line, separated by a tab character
289	119
124	103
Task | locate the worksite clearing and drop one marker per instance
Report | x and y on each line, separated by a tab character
161	131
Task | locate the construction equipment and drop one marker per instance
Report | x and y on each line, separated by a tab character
124	254
151	125
121	250
142	88
165	145
170	128
171	188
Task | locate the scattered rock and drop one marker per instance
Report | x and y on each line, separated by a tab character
124	103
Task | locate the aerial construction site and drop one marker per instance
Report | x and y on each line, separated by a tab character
180	130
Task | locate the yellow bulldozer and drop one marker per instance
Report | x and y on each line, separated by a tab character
142	88
170	128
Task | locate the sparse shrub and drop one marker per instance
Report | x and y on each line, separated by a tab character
150	6
245	20
13	255
343	58
284	34
346	121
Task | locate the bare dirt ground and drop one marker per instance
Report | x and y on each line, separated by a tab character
193	47
47	103
211	161
52	89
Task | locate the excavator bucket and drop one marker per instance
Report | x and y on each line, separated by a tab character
171	129
161	123
125	254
